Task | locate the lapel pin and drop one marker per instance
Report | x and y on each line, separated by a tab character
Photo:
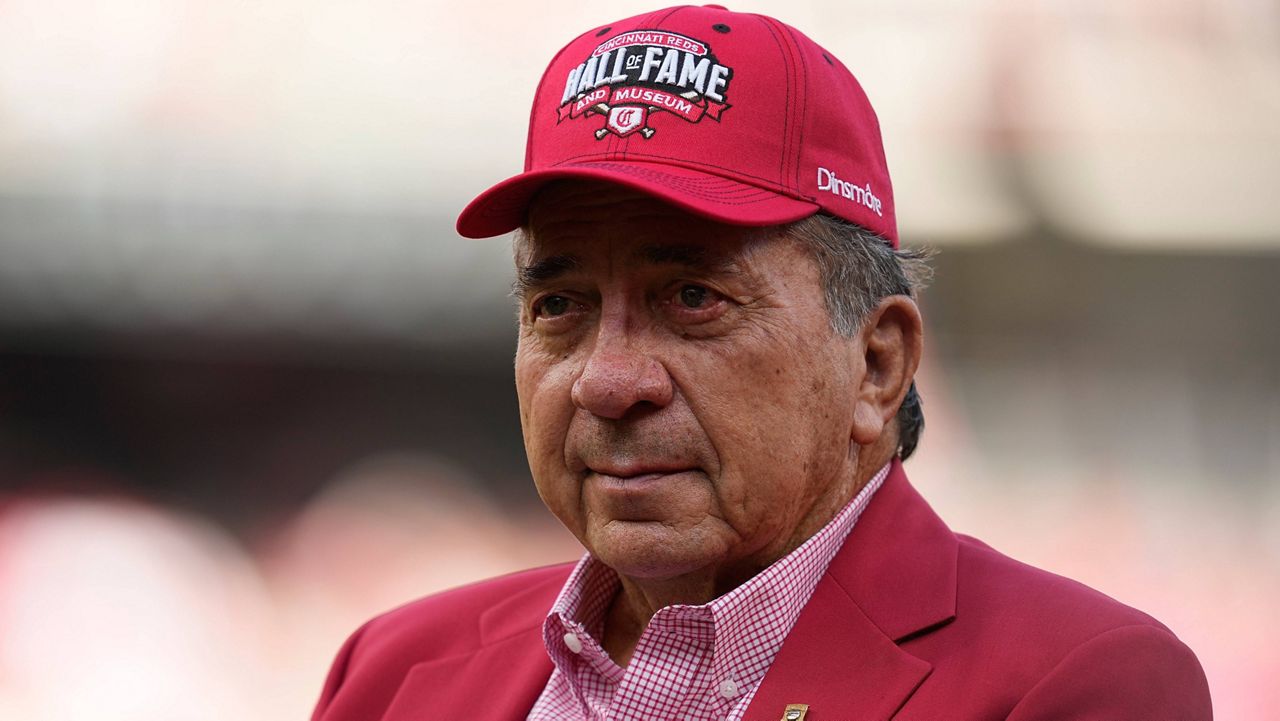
795	712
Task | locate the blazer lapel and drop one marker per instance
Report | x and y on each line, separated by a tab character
894	577
846	671
500	680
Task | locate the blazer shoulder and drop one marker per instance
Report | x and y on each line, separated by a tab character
1051	639
1137	671
469	615
378	656
1029	641
1023	597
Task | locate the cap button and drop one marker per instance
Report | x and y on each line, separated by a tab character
717	7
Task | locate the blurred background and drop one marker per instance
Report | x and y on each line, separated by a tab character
254	389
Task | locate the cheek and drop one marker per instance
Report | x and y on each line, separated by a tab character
542	389
762	405
546	408
780	424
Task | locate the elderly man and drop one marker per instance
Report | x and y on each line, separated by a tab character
718	338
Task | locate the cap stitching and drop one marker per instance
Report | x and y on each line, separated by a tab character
786	123
788	66
500	210
804	108
683	162
792	151
734	196
497	209
692	185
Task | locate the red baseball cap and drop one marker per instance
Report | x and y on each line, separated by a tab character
731	116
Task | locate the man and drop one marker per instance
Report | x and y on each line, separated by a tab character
717	345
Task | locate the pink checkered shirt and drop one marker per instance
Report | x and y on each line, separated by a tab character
695	663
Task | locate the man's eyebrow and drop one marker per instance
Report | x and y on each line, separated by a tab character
541	271
696	257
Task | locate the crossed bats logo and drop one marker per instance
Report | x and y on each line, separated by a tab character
636	73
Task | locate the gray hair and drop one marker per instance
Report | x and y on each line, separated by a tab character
858	269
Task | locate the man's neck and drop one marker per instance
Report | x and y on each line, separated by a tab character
638	599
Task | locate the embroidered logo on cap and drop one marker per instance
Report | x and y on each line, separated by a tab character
640	72
827	180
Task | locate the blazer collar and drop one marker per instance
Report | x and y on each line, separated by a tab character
898	566
501	679
894	577
899	563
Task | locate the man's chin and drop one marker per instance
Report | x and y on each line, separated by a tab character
653	550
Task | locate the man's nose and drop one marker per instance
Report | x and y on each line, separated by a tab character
619	377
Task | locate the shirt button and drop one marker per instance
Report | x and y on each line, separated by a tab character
573	642
728	688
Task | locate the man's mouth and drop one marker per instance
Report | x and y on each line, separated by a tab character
627	471
639	482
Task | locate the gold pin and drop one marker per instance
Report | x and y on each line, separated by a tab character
795	712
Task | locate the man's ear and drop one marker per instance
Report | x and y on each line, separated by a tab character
892	339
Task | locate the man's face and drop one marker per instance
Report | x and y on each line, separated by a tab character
686	406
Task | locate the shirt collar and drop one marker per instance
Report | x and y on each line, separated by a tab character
747	625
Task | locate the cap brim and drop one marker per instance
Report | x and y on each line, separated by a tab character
504	207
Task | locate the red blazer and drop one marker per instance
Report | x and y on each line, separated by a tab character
911	621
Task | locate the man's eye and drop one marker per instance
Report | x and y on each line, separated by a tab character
552	306
694	296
